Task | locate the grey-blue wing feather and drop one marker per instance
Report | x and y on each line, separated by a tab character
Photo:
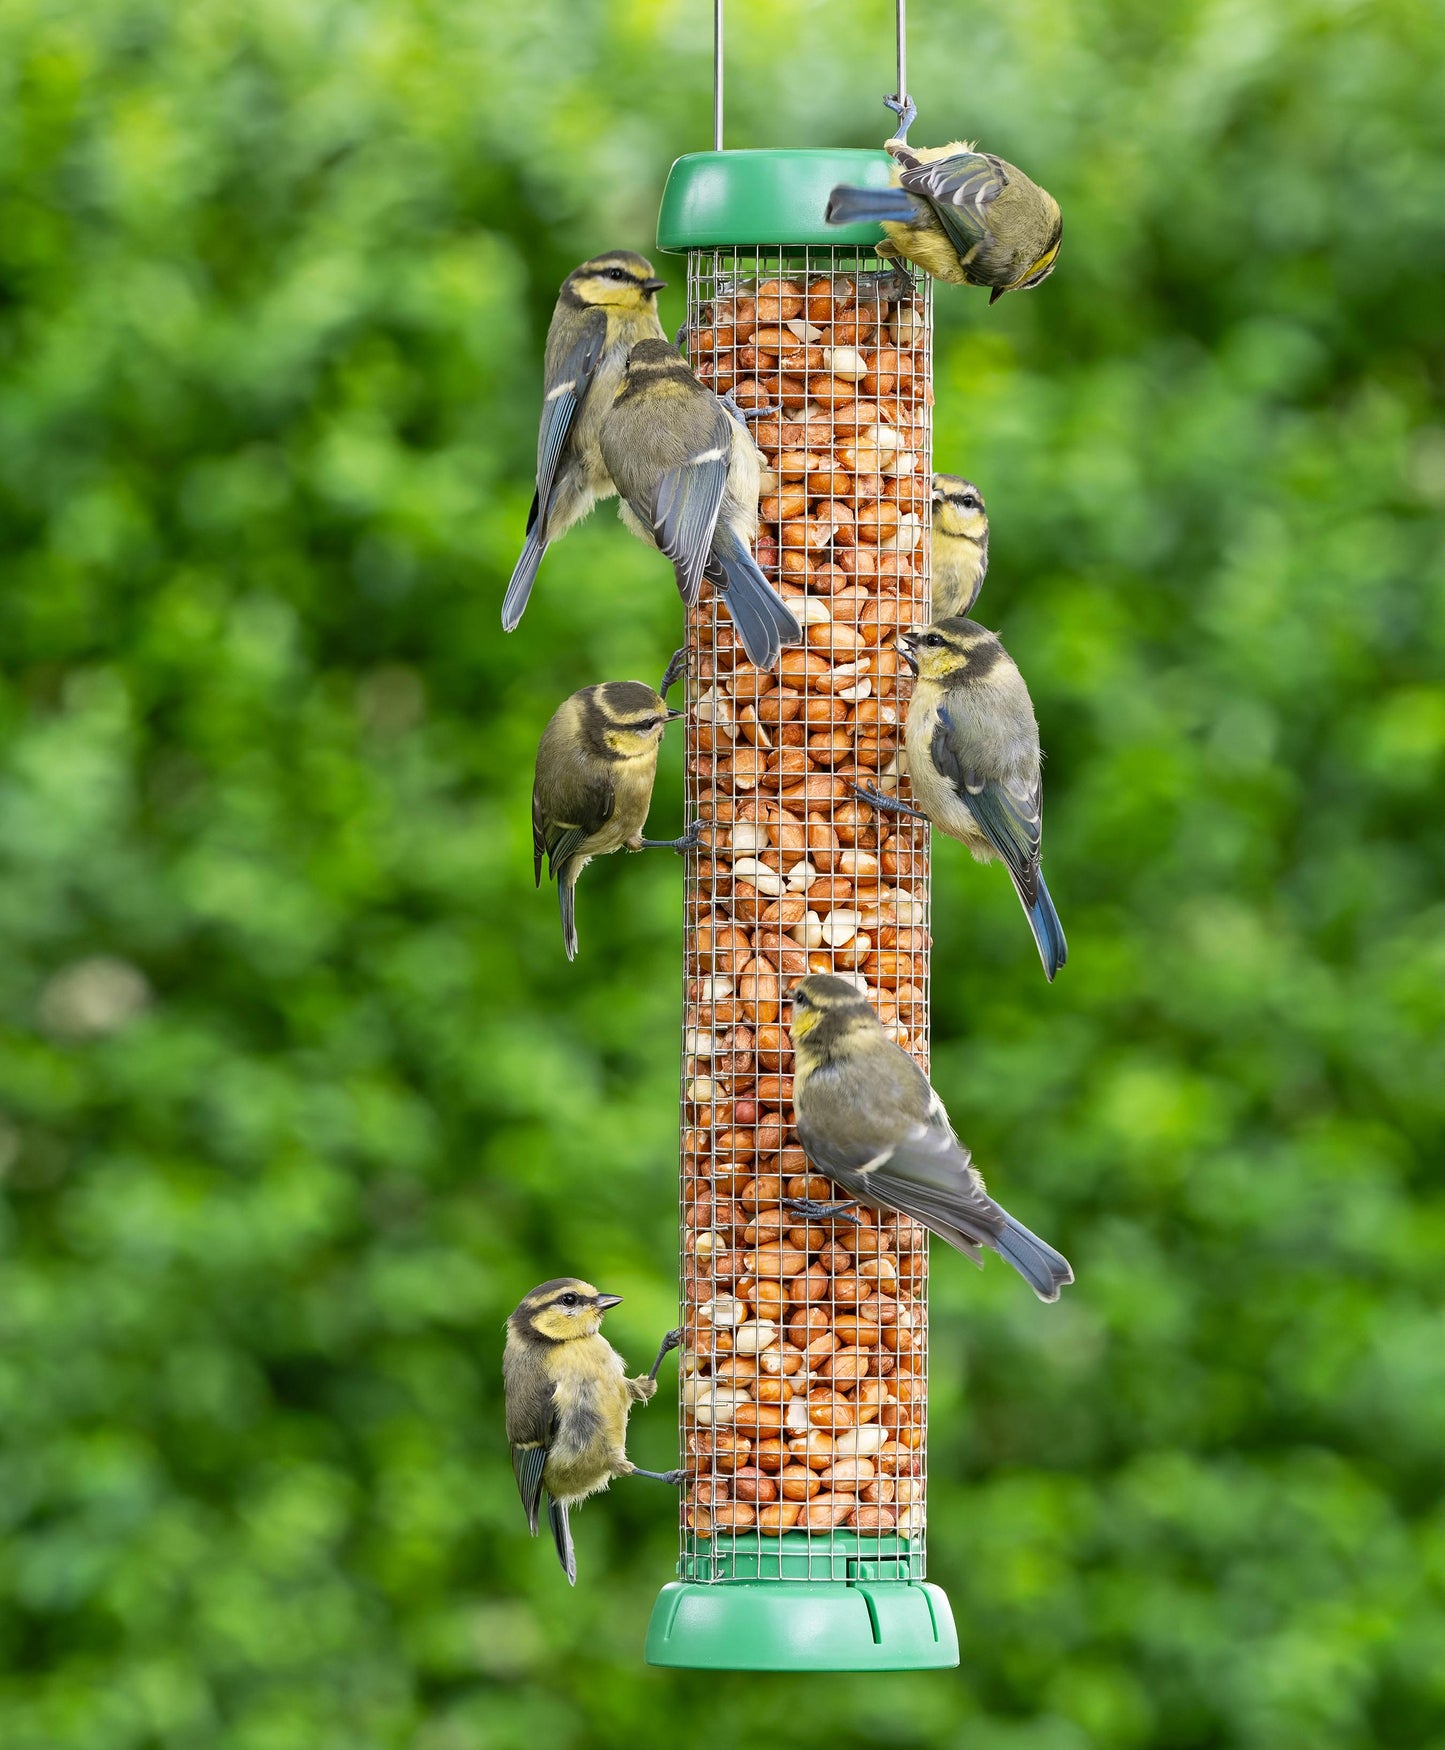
887	1140
564	397
528	1463
1010	819
1011	823
960	189
586	799
684	515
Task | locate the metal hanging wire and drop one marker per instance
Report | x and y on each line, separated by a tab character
901	10
717	75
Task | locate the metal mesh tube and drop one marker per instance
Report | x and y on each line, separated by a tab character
804	1367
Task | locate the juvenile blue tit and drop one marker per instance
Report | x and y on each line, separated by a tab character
689	475
568	1397
974	762
960	214
596	765
867	1118
960	545
604	308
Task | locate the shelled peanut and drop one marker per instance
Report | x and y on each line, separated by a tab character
804	1339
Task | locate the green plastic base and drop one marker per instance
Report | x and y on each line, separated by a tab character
713	199
870	1617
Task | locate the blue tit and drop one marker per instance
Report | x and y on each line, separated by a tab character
568	1397
960	214
974	762
604	308
596	765
867	1118
689	474
960	545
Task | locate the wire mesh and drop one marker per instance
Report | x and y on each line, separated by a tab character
803	1406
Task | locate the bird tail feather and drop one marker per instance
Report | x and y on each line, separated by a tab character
759	614
1048	931
870	206
1045	1270
524	573
562	1537
567	899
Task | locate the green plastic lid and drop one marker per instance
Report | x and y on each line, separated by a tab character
718	198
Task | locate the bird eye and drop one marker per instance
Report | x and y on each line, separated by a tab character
616	273
933	640
570	1300
969	501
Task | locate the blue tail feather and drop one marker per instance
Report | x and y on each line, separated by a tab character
1045	1270
524	573
1048	931
562	1537
871	206
759	614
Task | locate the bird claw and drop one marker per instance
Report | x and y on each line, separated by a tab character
745	415
885	804
675	670
907	112
904	279
670	1477
689	841
669	1343
815	1211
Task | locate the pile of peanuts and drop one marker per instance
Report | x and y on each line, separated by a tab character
804	1357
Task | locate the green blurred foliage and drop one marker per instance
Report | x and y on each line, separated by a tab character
297	1094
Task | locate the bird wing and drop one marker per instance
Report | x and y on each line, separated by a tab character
539	838
887	1140
896	1149
960	190
685	510
531	1429
581	804
564	396
528	1463
1009	814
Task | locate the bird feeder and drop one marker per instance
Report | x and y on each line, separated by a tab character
804	1369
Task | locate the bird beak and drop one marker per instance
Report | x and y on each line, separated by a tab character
905	642
654	285
607	1300
673	716
996	294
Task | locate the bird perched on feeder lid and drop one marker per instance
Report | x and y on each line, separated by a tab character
867	1117
974	762
960	214
596	765
568	1397
960	545
603	309
689	474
